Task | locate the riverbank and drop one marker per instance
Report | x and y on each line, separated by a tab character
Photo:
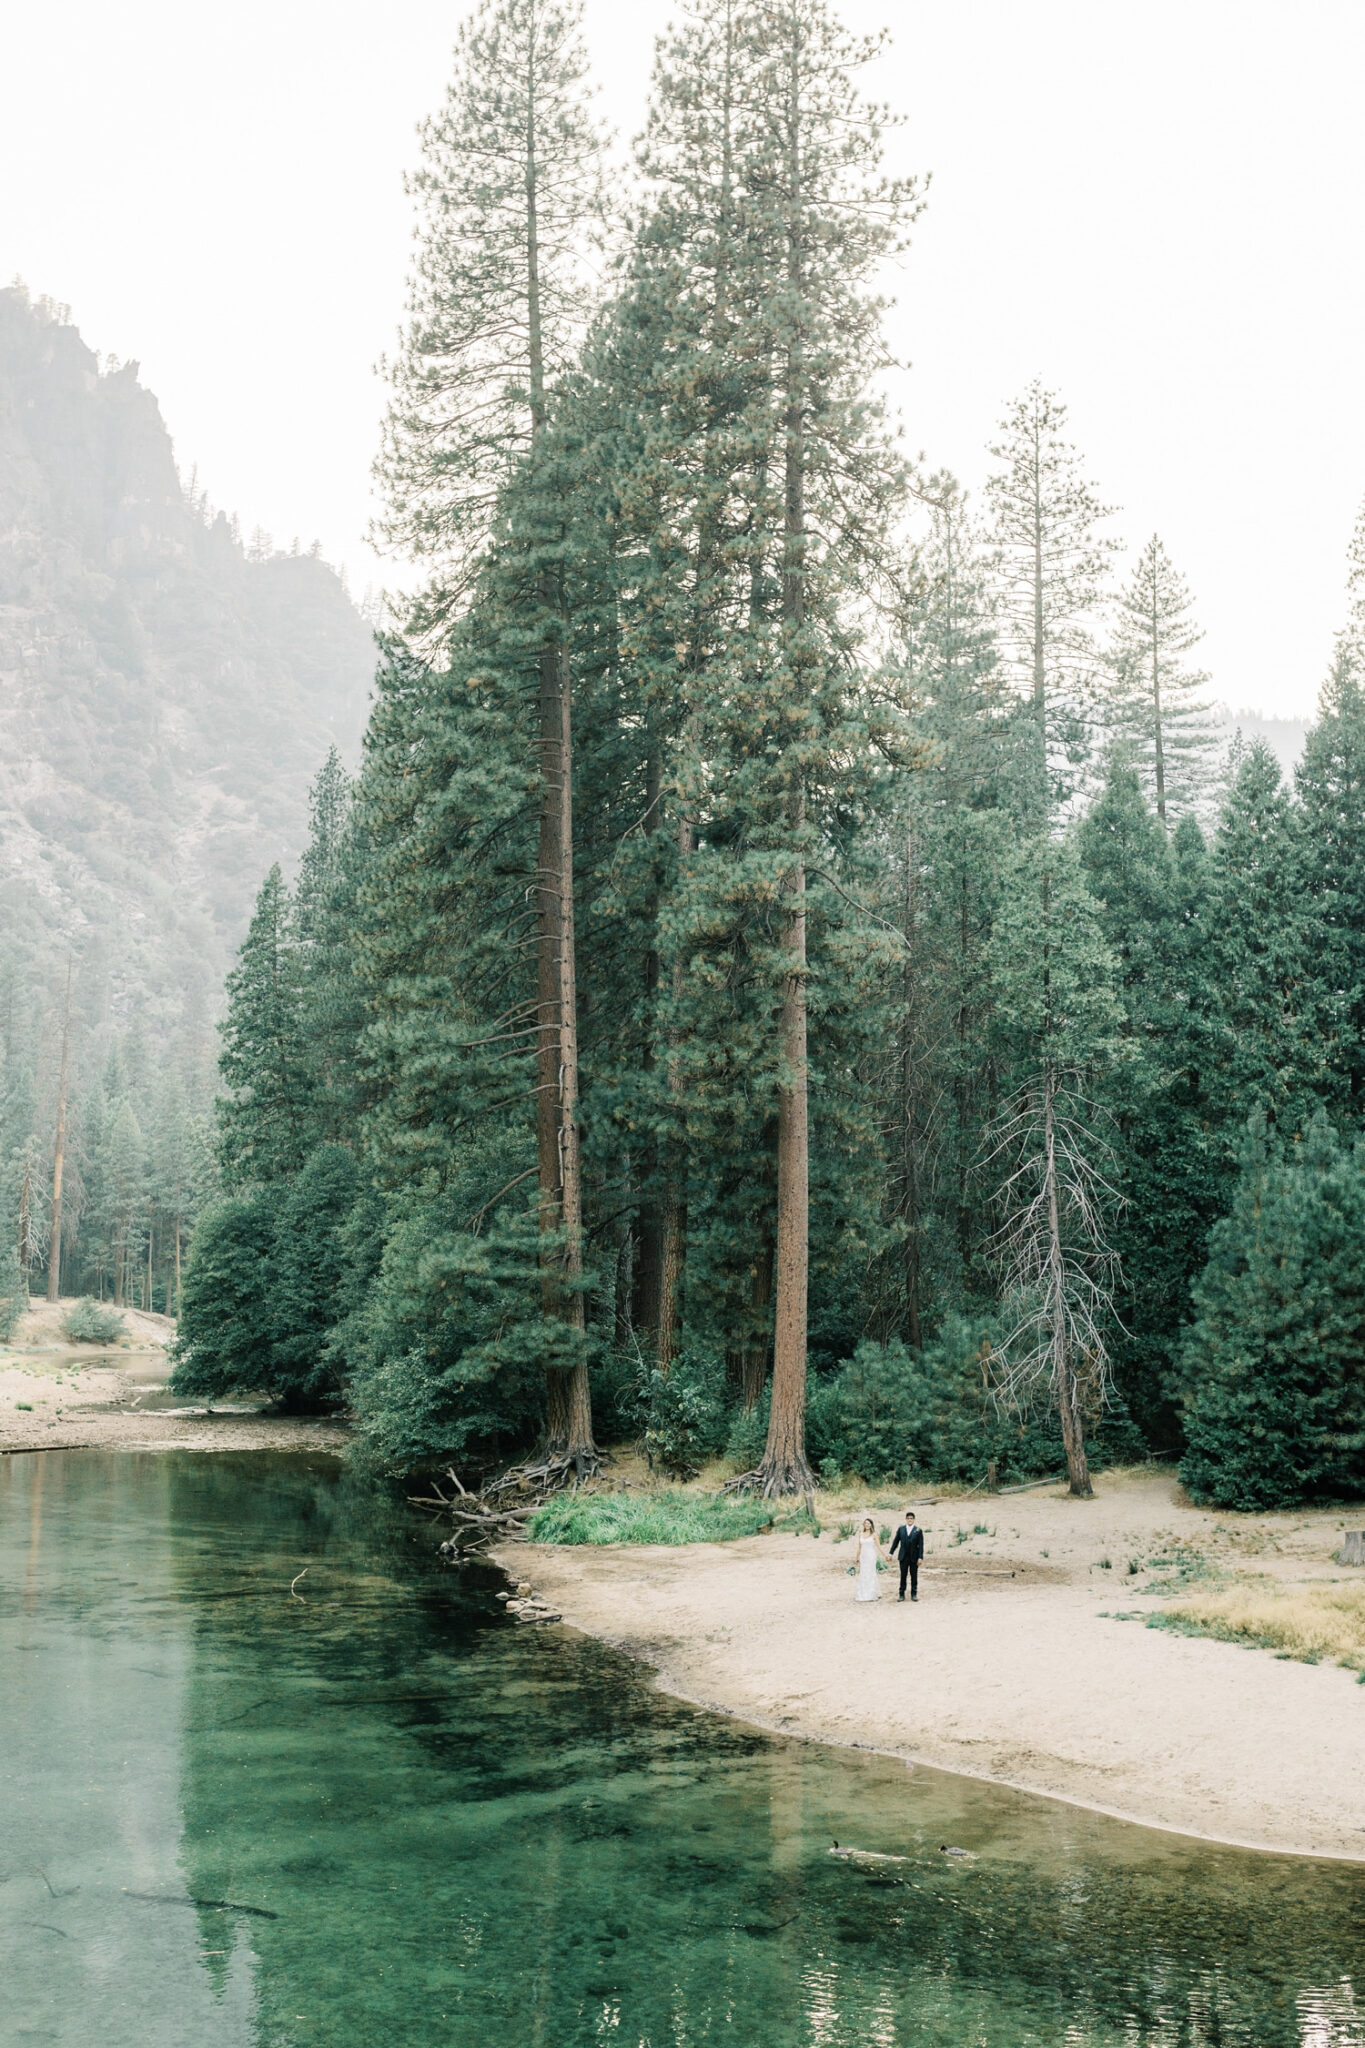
1013	1666
55	1395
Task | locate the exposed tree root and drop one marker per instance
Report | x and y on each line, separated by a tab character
499	1510
776	1482
550	1471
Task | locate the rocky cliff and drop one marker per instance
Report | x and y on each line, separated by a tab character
166	695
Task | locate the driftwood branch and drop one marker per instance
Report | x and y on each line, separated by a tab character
500	1509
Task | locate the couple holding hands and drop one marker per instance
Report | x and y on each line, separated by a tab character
907	1544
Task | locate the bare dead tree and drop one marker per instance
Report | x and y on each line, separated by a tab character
1058	1270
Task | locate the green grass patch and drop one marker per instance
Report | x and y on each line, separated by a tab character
656	1518
1179	1569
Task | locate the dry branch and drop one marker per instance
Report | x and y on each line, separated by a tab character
499	1510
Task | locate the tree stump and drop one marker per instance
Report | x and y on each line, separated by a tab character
1352	1550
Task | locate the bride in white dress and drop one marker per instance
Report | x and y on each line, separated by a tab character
869	1550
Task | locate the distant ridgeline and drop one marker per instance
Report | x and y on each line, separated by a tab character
166	696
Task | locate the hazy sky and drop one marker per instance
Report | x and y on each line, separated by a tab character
1158	208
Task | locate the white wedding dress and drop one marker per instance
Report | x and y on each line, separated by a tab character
867	1568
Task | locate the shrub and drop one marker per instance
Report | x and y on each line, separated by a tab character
309	1257
685	1414
862	1419
890	1412
87	1322
225	1326
893	1412
617	1376
263	1286
447	1354
748	1433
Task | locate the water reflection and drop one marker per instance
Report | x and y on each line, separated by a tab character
371	1810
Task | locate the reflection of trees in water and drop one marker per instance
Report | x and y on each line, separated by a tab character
512	1830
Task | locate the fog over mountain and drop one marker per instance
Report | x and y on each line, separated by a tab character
166	693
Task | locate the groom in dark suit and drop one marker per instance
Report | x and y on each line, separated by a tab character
908	1543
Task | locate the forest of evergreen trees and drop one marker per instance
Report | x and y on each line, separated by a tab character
793	975
166	694
128	1122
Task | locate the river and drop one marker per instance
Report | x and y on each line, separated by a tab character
274	1777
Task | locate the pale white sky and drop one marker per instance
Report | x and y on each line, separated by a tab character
1159	208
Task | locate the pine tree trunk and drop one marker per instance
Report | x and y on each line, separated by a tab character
25	1217
1073	1438
1039	660
784	1468
624	1288
548	880
910	1198
580	1445
177	1265
569	1429
648	1265
754	1358
647	1269
54	1255
674	1233
568	1403
1159	748
671	1276
671	1265
1068	1392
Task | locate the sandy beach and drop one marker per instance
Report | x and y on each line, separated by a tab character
55	1395
1011	1666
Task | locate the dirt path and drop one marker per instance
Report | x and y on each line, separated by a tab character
1024	1679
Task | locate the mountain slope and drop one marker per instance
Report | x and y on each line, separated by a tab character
166	696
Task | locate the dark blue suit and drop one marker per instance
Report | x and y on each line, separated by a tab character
910	1543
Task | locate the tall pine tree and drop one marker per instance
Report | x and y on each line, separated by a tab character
510	189
1275	1358
265	1121
1330	782
1054	566
1158	714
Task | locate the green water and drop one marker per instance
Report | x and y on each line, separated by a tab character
376	1813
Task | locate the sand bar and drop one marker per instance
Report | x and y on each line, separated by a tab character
55	1395
1024	1680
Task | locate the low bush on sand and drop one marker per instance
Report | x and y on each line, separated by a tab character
85	1322
652	1518
1305	1622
